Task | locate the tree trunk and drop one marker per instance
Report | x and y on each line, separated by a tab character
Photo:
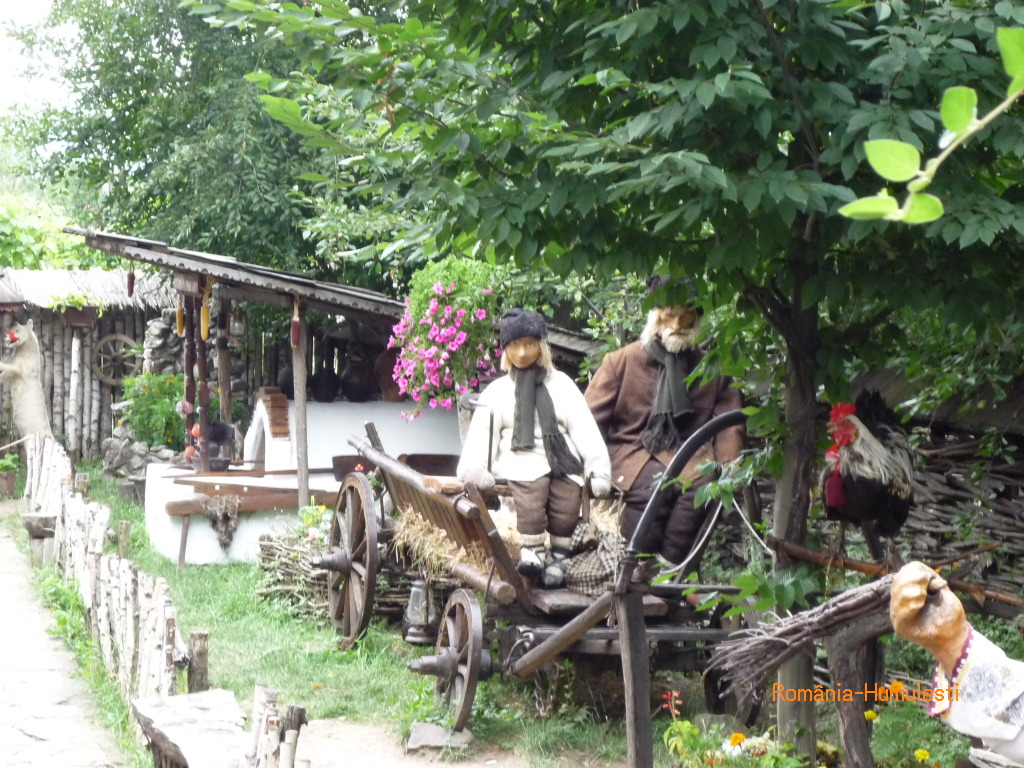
792	502
853	656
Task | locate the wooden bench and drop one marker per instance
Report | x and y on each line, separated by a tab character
253	497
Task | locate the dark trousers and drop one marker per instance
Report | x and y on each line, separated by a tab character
674	529
548	503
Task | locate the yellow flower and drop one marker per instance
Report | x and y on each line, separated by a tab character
870	714
736	739
921	755
896	686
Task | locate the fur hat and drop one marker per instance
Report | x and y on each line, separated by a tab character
520	323
679	292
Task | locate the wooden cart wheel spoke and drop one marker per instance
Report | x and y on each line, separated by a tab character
353	541
461	641
115	358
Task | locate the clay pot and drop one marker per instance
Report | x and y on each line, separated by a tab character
323	386
383	368
286	382
358	381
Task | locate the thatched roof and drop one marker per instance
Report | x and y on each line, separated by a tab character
100	287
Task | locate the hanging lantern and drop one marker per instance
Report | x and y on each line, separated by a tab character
238	328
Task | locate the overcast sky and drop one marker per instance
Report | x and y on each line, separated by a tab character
16	87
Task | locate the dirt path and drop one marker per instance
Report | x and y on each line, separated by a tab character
338	742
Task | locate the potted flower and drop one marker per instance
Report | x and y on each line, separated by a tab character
447	336
8	474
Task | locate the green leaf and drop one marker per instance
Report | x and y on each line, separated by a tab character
1011	48
877	207
922	208
959	108
893	160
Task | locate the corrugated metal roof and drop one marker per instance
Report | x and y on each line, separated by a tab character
253	282
103	288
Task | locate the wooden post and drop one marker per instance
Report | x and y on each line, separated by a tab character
636	678
198	663
301	428
224	371
203	388
124	531
190	365
73	420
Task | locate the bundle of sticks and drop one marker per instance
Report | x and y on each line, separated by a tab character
749	659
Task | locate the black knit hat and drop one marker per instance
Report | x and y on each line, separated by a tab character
520	323
680	292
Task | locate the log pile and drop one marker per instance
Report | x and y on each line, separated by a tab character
962	504
289	577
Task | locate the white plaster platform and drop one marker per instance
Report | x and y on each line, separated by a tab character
203	548
329	425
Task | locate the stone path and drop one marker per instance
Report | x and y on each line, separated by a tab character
46	713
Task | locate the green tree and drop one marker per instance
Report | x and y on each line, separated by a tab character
718	138
715	137
165	133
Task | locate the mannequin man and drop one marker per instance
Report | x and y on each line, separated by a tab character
646	410
533	428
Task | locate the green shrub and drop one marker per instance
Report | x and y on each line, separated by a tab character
155	415
9	462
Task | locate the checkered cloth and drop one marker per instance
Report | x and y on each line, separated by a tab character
596	555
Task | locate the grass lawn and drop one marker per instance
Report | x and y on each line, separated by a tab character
255	640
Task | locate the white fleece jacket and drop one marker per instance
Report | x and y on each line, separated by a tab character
575	421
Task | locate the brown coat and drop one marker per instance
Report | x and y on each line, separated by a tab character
621	395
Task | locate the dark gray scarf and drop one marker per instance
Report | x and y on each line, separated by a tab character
671	400
532	397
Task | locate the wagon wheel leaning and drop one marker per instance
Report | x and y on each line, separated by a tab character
743	708
353	559
460	660
115	358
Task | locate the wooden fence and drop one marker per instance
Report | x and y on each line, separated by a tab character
132	620
79	401
130	613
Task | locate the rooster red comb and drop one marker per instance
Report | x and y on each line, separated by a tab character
840	411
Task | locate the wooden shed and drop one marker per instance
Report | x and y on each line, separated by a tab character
91	329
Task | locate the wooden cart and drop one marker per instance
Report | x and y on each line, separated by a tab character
527	629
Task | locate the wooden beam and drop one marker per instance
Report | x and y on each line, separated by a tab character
301	427
255	503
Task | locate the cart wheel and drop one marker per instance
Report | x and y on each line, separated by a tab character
460	642
745	709
114	358
353	559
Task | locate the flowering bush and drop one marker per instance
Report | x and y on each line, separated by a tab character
155	409
447	336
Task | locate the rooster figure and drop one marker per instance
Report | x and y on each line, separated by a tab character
870	468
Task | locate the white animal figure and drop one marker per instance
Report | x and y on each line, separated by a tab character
22	372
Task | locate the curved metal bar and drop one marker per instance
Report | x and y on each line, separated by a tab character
686	452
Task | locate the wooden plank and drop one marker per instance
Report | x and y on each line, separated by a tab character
254	503
636	677
213	488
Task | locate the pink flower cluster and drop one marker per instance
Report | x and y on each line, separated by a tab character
444	353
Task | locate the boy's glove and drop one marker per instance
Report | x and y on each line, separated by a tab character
480	477
600	487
